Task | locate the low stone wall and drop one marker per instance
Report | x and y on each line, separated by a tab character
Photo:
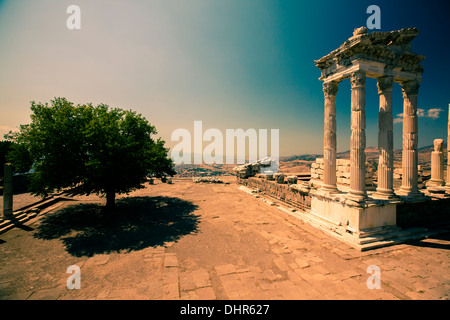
423	214
293	194
342	171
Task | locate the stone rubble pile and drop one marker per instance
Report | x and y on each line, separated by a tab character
265	166
206	180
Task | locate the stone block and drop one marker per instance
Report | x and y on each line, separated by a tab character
292	179
343	162
279	178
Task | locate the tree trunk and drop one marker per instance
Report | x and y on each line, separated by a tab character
110	199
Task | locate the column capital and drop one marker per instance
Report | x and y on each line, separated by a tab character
330	88
410	88
385	84
358	79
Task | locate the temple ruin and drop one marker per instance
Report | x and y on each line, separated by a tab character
341	198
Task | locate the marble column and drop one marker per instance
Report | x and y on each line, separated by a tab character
330	90
409	186
385	188
358	138
7	192
437	164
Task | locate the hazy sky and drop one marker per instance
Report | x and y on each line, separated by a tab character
230	63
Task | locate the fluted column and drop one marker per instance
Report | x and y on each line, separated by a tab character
330	90
409	186
358	138
385	189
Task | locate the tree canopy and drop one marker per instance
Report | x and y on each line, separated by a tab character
86	149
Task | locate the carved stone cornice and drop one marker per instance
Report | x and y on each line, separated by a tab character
330	88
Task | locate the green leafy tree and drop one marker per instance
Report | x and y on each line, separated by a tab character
89	150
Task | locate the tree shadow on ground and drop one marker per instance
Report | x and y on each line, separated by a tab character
135	224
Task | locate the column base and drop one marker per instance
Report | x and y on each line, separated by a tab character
435	183
329	188
410	193
385	194
356	196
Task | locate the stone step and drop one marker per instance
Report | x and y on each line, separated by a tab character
399	240
4	223
6	228
378	231
31	211
391	235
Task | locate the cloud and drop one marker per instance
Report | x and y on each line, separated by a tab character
420	113
399	118
434	113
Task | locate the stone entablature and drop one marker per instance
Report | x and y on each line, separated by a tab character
377	54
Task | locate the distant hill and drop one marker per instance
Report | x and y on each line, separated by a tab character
306	157
302	163
203	170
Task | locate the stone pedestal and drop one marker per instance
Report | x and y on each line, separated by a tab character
7	192
358	139
356	224
354	218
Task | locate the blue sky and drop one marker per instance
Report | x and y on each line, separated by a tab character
232	64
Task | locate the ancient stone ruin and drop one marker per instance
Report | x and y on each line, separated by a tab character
341	197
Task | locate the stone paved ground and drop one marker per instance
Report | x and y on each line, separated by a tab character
217	242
